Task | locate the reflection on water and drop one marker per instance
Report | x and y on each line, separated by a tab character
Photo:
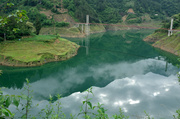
123	70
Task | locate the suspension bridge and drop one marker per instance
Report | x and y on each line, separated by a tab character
170	31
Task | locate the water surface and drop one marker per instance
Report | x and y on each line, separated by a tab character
123	70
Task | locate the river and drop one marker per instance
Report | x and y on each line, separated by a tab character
124	72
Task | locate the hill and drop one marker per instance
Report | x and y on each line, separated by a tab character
60	15
161	39
109	11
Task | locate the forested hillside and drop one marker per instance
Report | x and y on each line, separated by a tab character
110	11
47	13
113	10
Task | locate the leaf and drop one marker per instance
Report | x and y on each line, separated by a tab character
90	105
6	114
99	111
27	80
16	101
84	102
8	101
9	112
1	92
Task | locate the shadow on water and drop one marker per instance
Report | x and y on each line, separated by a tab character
76	73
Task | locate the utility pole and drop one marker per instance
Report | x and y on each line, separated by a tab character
170	31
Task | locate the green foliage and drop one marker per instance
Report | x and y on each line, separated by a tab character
107	11
130	16
178	114
47	22
176	23
121	115
28	97
147	115
58	36
37	25
101	112
166	23
136	20
47	4
62	24
50	112
86	104
5	102
11	26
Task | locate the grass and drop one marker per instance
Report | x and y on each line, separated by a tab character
41	38
96	28
38	48
168	43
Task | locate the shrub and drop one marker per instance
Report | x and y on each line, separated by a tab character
130	16
62	24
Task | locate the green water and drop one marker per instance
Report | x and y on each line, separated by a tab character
102	60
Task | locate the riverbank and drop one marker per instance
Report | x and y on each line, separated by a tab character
36	51
164	42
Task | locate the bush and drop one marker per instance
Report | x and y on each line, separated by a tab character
137	20
47	23
55	10
130	16
62	24
47	4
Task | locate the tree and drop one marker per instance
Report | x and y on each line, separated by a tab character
38	25
7	22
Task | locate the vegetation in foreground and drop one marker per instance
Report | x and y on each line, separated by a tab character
36	50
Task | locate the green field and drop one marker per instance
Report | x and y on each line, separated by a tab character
37	49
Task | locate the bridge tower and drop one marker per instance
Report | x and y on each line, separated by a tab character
170	32
87	30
